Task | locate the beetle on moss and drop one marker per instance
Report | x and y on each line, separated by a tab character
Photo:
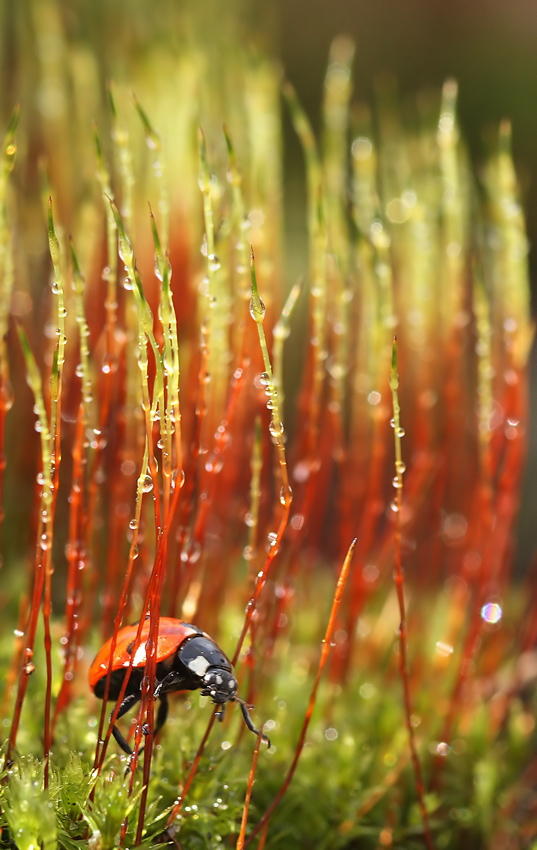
187	659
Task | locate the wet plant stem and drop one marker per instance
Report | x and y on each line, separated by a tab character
403	655
257	311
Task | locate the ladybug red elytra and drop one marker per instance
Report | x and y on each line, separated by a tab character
187	659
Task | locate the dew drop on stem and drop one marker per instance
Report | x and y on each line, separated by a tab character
286	495
276	428
257	309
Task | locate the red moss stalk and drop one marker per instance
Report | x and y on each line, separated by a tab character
249	787
403	653
327	641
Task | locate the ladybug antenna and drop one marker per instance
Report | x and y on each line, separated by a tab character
245	708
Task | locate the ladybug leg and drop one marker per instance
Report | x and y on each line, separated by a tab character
127	704
162	714
174	681
161	720
248	721
161	717
121	741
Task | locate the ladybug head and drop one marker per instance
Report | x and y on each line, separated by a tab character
220	684
214	674
209	666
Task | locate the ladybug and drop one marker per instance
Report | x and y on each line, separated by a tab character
187	659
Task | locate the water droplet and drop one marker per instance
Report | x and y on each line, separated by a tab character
276	428
29	668
133	525
257	309
272	538
280	332
128	284
286	495
335	369
214	464
370	573
55	287
491	612
443	649
147	485
40	478
174	478
374	398
302	470
214	263
361	148
194	552
264	380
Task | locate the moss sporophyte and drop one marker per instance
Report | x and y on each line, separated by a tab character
323	476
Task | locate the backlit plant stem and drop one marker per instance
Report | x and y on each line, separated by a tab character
403	660
251	777
55	450
317	260
9	150
44	538
327	640
257	311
